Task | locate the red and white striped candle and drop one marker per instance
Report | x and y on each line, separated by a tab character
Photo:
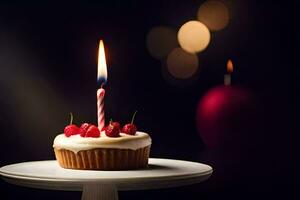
102	77
100	106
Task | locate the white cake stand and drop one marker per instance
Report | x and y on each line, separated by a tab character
104	185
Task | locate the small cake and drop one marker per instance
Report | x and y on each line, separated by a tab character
86	147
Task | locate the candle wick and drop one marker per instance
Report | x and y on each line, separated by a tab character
102	85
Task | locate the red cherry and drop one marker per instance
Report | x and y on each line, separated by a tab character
83	129
93	131
130	129
71	129
117	125
113	129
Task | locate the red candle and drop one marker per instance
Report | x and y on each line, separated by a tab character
224	113
102	77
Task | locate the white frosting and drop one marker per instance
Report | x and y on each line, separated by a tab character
77	143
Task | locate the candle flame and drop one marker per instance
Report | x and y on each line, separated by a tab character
229	66
102	68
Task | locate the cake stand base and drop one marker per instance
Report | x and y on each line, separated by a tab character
104	185
101	192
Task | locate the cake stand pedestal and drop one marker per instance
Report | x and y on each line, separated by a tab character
104	185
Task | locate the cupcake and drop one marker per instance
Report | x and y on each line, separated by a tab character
87	148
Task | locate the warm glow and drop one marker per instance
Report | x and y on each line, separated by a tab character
161	41
193	36
181	64
214	14
229	66
102	68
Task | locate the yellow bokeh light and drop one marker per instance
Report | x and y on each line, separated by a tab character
181	64
214	14
160	41
193	36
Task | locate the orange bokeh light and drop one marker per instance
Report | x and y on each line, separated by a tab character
161	41
214	14
193	36
181	64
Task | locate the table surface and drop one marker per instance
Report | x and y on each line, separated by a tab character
161	173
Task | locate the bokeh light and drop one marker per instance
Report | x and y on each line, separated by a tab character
160	41
176	82
214	14
181	64
193	36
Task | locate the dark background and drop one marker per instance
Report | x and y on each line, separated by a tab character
48	59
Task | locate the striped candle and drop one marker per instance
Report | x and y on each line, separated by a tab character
101	78
100	106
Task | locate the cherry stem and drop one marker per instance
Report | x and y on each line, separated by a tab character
71	120
132	120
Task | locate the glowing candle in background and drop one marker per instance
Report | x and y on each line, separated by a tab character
227	77
101	78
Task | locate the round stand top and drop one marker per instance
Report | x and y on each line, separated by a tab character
161	173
